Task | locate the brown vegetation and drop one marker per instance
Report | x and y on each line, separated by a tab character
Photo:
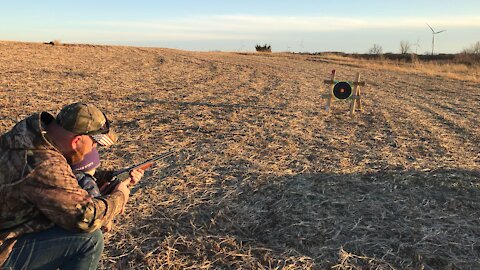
463	66
266	178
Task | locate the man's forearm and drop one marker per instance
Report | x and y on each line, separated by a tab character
101	211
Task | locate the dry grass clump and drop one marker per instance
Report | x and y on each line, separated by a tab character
264	178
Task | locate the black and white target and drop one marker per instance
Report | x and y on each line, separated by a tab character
342	90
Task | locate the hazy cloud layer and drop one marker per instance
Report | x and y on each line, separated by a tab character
246	26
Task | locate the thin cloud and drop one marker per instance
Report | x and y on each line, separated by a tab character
255	24
249	27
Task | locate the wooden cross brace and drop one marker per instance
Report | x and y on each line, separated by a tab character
356	96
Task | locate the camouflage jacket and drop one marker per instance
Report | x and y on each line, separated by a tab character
38	188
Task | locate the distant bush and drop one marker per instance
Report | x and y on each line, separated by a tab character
469	56
264	48
404	47
469	59
376	49
474	49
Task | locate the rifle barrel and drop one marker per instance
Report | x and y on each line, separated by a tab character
125	173
152	160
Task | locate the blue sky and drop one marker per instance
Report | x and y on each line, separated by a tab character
299	25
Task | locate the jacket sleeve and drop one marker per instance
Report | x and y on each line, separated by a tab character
54	190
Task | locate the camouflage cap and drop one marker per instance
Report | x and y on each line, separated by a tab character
86	119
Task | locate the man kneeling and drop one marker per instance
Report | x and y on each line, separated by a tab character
47	221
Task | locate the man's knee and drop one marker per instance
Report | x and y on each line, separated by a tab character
96	241
57	248
89	254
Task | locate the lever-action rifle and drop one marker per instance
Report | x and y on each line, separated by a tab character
124	174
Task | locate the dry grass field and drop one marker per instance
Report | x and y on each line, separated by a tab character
461	67
264	177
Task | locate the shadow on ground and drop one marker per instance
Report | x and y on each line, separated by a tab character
384	220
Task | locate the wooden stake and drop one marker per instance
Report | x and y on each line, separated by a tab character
360	107
356	99
330	94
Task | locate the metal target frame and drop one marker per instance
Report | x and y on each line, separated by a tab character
355	95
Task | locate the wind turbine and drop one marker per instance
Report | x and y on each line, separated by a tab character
417	45
433	35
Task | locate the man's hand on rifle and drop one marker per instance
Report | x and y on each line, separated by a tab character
135	176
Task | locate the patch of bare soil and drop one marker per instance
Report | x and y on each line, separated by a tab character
265	178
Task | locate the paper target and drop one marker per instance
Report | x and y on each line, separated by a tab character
342	90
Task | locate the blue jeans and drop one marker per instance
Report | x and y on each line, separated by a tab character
56	248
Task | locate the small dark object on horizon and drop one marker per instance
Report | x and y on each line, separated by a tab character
264	48
53	43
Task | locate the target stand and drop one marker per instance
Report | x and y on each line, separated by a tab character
344	90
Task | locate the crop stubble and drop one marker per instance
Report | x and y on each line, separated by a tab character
266	178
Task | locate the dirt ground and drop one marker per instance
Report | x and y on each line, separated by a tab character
264	177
